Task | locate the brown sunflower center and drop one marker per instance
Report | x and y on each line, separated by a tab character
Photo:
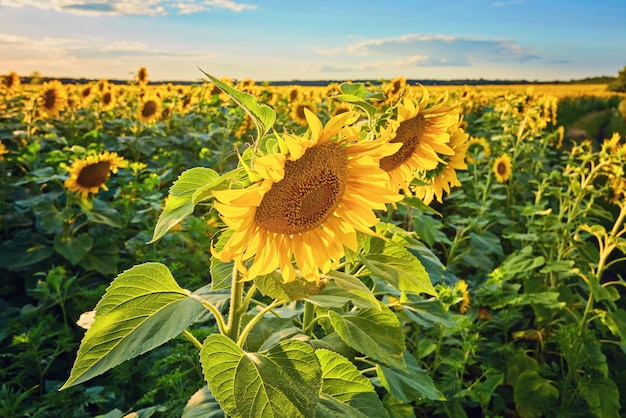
409	133
49	99
300	111
107	98
149	109
501	168
94	175
308	194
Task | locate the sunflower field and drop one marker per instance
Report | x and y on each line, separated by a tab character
382	249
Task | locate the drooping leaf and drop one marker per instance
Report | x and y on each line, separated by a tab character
401	269
284	381
343	382
427	312
100	212
409	386
191	187
262	115
143	308
374	332
272	285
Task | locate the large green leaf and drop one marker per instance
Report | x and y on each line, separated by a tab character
203	405
343	382
534	396
272	285
414	385
374	332
262	115
601	394
73	248
282	382
427	312
143	308
401	269
191	187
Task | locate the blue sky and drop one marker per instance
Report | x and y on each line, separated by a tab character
321	39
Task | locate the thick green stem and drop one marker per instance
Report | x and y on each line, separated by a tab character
234	314
219	319
309	313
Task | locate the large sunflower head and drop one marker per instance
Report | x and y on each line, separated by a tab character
502	168
149	108
311	199
11	81
53	98
299	109
90	174
423	129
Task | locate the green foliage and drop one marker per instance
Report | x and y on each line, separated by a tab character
619	84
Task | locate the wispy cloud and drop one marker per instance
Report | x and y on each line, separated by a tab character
433	50
131	7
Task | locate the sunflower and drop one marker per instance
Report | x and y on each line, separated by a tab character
3	150
444	177
502	168
107	99
53	98
423	131
142	76
461	285
150	108
309	203
394	89
89	175
11	81
298	112
478	149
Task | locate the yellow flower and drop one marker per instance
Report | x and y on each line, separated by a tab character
423	131
3	150
53	98
142	75
298	113
149	109
502	168
107	99
461	285
89	175
478	149
444	177
309	203
11	81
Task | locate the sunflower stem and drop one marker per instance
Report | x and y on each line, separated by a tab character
309	314
234	315
193	339
246	330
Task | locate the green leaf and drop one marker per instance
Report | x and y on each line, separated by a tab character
143	308
191	187
401	269
203	405
284	381
521	262
48	217
601	394
329	407
73	248
534	396
354	288
272	285
427	312
262	115
103	256
409	386
374	332
343	382
100	212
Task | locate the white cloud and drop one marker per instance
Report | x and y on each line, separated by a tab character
507	3
130	7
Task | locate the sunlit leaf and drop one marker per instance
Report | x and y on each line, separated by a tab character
409	386
143	308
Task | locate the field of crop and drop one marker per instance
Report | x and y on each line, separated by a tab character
385	250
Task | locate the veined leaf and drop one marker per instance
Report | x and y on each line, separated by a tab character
143	308
284	381
191	187
411	386
374	332
401	269
342	382
272	285
262	115
534	395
